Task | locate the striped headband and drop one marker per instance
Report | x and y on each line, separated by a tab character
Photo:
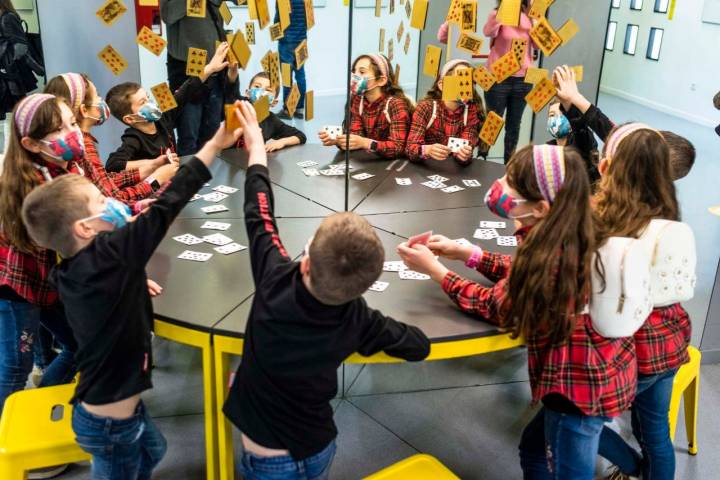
382	64
76	85
450	65
26	109
621	134
549	162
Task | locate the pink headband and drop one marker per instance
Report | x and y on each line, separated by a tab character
382	64
26	109
549	162
621	134
450	65
76	84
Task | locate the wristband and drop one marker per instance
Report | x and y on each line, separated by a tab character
474	259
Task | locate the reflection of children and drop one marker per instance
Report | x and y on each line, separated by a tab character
292	38
573	134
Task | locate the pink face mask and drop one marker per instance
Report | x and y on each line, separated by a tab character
501	203
67	148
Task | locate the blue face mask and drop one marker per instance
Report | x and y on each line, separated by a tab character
256	93
115	213
559	126
150	112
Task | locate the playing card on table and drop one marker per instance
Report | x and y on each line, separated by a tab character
229	248
507	241
195	256
485	224
455	144
463	241
333	131
214	209
453	189
151	40
225	189
483	77
491	128
111	11
471	183
485	233
164	97
434	185
215	197
411	274
215	226
403	181
379	286
217	239
505	66
394	266
197	196
330	172
438	178
188	239
362	176
306	163
311	172
113	60
196	61
539	96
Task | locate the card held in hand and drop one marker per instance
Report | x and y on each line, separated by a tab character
196	61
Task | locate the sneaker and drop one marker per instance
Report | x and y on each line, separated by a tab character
285	115
300	114
616	474
46	472
36	375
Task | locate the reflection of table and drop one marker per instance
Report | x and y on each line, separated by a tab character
206	304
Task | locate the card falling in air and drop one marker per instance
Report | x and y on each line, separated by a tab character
151	40
285	68
545	37
196	8
408	8
196	61
225	13
578	69
505	67
164	97
309	107
301	55
390	52
539	96
518	47
231	121
494	123
252	9
470	43
432	61
419	14
263	13
509	12
113	60
293	99
406	46
283	7
397	72
382	40
458	86
483	77
262	108
378	8
468	14
309	14
400	31
276	32
535	75
240	48
455	12
111	11
538	9
391	8
420	239
249	33
568	31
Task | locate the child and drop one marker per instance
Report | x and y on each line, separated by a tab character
576	106
292	37
102	283
128	186
307	318
436	120
580	377
637	187
573	134
379	113
150	133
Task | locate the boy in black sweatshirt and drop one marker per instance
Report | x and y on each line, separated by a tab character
102	284
150	133
306	318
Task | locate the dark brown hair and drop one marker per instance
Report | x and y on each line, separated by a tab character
19	177
50	211
266	76
550	278
391	88
7	6
682	154
436	94
346	257
118	99
58	86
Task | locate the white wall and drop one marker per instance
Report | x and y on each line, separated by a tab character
686	77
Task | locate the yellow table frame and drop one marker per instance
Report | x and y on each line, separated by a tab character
224	346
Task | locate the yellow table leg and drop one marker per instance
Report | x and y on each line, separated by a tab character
203	341
223	347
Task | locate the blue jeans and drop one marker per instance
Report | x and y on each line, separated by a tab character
127	449
316	467
198	122
650	424
287	55
509	95
560	446
19	322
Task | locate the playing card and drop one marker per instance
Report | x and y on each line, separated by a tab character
421	239
485	233
306	163
411	274
309	14
464	242
455	144
568	31
311	172
382	40
309	105
333	131
225	189
406	45
151	40
215	226
432	61
301	54
240	48
225	13
507	241
250	33
491	128
471	183
483	77
539	96
164	97
508	12
408	8
468	14
437	178
217	239
390	50
470	43
195	256
230	248
113	60
215	197
538	8
283	7
453	189
197	196
455	12
362	176
505	67
403	181
519	45
394	266
485	224
214	209
545	36
276	32
188	239
263	13
379	286
434	185
111	11
458	86
419	14
535	75
400	31
195	8
293	99
332	172
196	61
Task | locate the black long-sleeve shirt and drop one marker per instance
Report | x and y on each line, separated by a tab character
294	344
104	290
137	145
583	139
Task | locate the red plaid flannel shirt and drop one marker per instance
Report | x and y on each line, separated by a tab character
373	124
662	341
597	374
27	274
446	124
124	186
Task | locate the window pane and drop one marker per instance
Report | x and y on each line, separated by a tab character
612	30
631	34
636	4
616	3
661	6
654	44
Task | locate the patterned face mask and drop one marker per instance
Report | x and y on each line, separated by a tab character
67	148
501	203
559	126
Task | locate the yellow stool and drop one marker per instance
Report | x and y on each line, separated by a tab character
417	467
687	385
36	431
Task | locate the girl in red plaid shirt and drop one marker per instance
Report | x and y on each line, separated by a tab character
637	187
436	120
379	111
581	378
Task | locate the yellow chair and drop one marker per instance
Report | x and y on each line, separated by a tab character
417	467
687	385
36	431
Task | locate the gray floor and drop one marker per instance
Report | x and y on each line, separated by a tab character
469	412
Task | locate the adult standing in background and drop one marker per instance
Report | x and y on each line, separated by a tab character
201	117
292	38
509	95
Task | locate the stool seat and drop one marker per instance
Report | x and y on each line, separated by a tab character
686	385
417	467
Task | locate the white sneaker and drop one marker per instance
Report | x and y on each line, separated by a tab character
36	375
46	472
616	474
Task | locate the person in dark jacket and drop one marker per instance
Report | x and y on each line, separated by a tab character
293	36
569	129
